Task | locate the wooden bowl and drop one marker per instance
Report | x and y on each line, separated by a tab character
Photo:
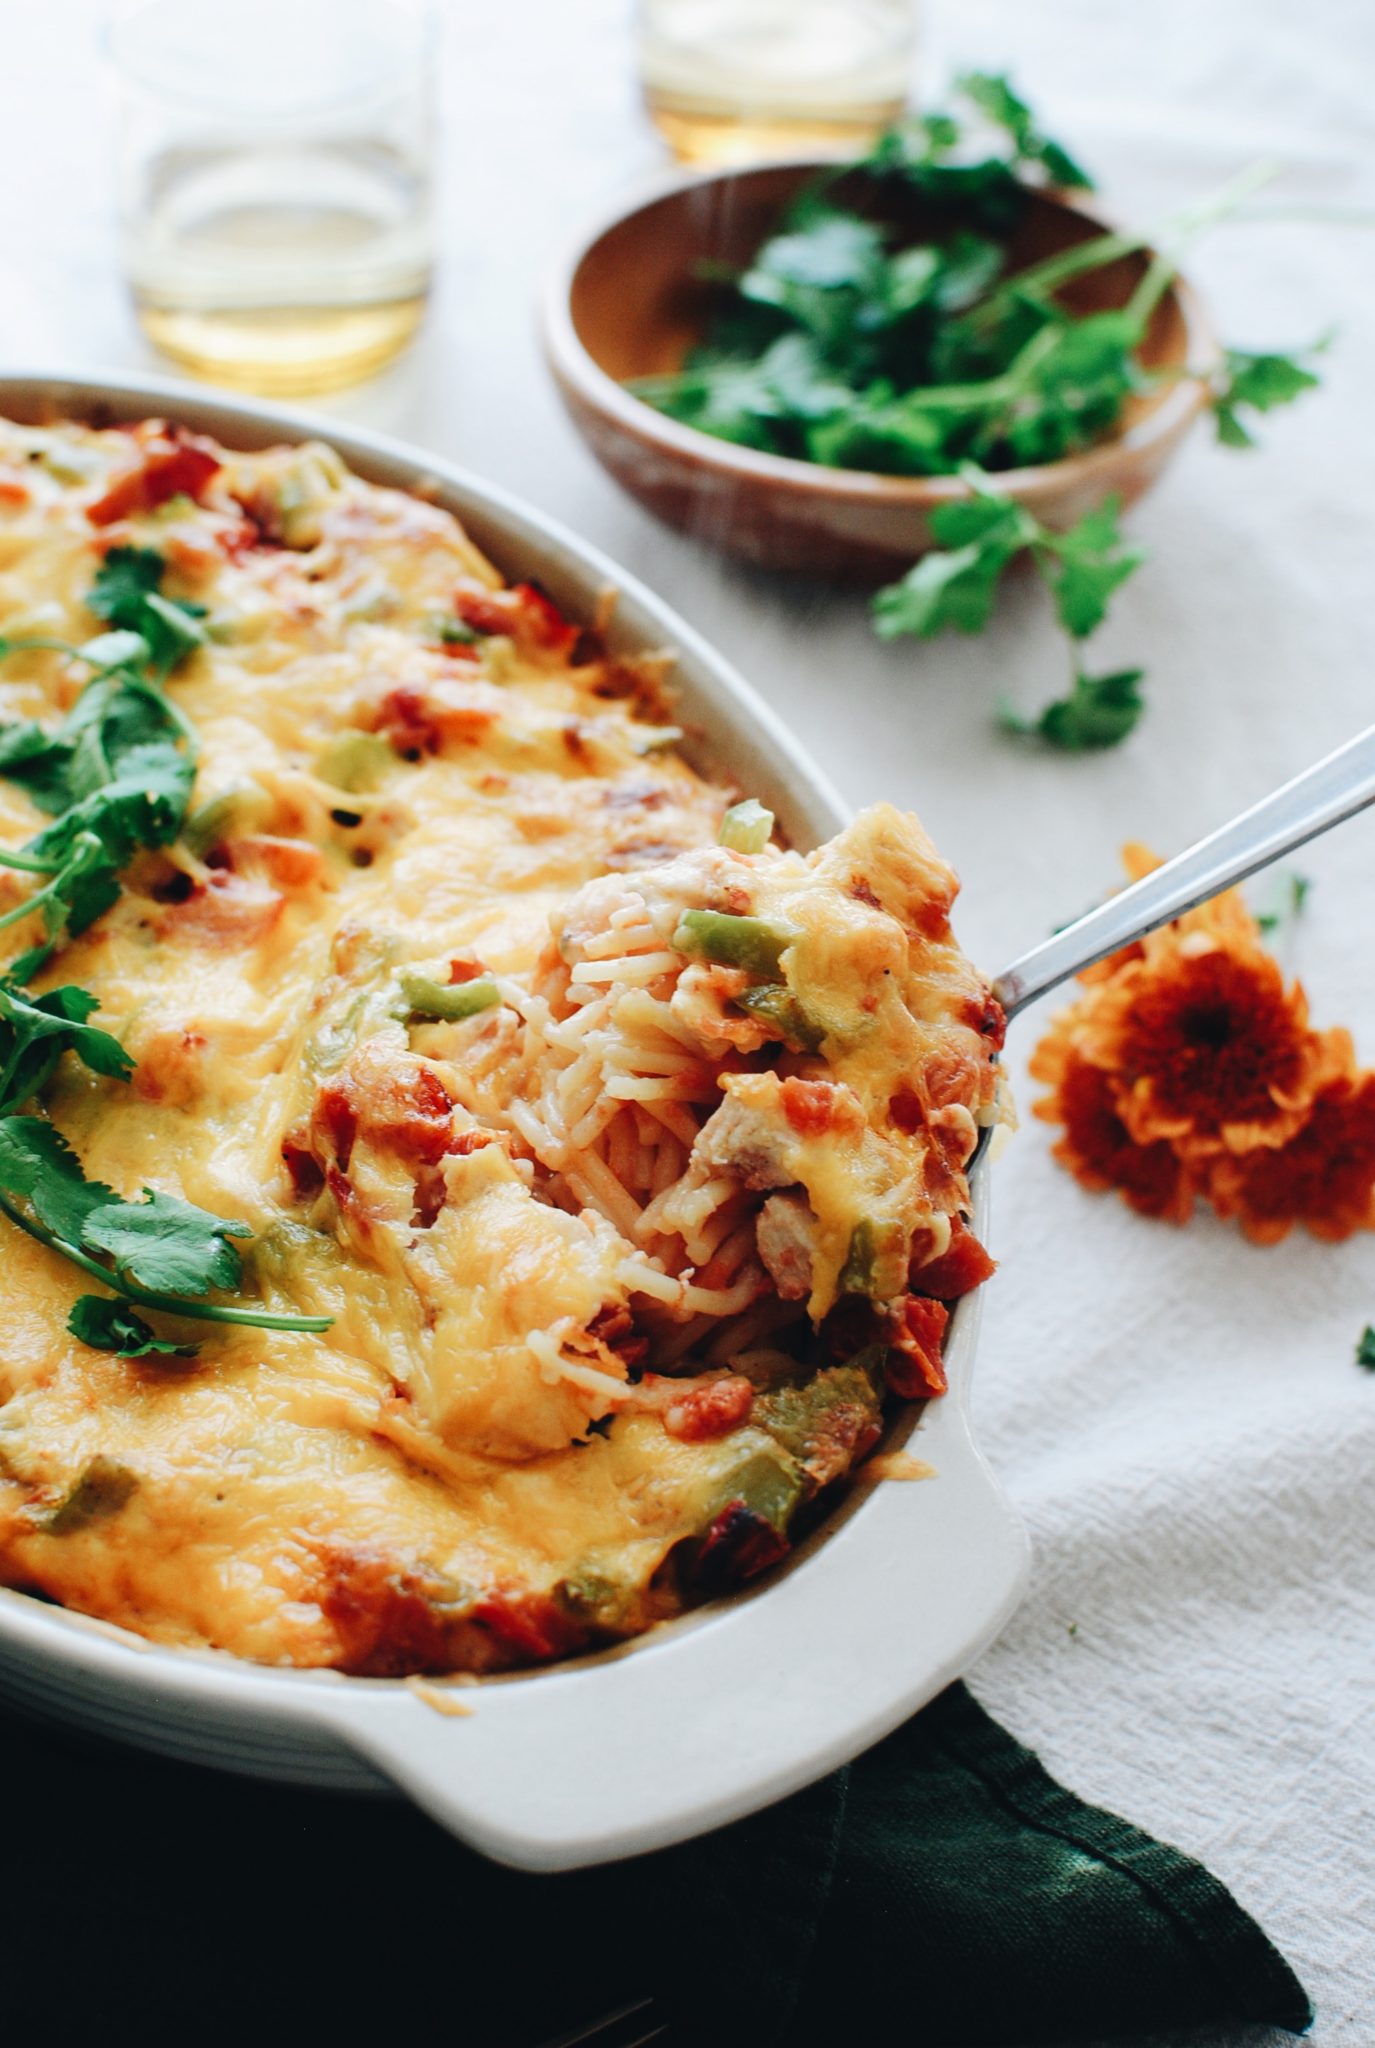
628	302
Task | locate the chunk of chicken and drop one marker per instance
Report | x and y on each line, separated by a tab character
786	1237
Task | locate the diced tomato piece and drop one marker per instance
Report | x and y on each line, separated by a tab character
420	722
963	1266
408	722
528	1624
391	1101
292	863
523	613
546	624
337	1117
465	970
907	1112
307	1177
710	1411
739	1544
916	1369
392	1618
170	463
809	1106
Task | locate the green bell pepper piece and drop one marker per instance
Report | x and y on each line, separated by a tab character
355	761
786	1016
101	1489
755	944
746	828
448	1001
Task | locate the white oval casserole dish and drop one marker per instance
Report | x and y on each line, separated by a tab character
715	1714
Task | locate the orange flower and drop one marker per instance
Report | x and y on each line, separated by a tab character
1186	1067
1209	1050
1097	1147
1324	1177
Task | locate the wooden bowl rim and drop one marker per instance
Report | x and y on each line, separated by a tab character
583	378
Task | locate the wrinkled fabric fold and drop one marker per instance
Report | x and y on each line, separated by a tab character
942	1890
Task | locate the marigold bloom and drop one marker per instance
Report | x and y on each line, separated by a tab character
1096	1146
1208	1048
1186	1067
1323	1178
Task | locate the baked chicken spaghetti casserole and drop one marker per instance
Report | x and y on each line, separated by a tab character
466	1189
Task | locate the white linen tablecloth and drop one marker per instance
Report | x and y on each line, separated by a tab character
1177	1414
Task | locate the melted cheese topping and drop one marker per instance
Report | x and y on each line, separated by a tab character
384	794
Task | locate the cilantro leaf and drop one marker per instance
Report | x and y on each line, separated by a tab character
969	265
987	516
96	837
885	434
1074	391
732	398
167	1245
119	649
35	1031
1260	383
173	1244
953	589
38	760
993	95
985	190
801	381
123	582
39	1166
955	586
1099	712
117	774
829	249
128	593
1365	1348
1084	566
110	1325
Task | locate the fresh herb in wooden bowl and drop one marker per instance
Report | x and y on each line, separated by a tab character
928	353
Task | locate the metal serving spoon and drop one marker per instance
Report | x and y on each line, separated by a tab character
1329	792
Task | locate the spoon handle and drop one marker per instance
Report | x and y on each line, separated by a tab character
1330	791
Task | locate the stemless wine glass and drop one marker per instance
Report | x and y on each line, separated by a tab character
273	172
731	81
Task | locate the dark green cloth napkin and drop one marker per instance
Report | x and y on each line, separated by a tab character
943	1891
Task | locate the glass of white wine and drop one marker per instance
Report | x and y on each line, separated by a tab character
274	183
733	81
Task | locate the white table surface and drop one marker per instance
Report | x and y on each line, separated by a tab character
1177	1414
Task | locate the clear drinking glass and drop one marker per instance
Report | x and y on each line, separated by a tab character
730	81
273	171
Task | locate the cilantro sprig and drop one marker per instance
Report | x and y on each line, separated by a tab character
165	1253
839	345
128	592
117	772
1258	383
115	775
955	588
